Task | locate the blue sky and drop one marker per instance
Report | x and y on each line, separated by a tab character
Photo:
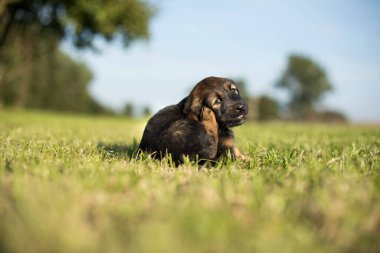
248	39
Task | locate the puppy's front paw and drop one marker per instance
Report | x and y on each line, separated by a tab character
240	155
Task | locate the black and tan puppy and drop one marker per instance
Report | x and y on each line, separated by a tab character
198	126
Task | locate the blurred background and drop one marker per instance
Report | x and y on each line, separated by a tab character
293	60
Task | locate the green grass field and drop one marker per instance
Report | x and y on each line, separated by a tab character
67	184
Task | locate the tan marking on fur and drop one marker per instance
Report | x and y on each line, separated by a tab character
216	106
228	142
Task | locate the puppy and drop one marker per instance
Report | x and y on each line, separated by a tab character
200	125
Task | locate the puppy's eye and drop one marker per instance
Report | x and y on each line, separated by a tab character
217	101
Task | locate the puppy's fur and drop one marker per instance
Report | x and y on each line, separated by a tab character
199	125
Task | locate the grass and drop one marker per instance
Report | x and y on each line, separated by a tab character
67	184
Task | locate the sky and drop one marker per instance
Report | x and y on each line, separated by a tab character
248	39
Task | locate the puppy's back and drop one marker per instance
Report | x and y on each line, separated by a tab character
156	125
169	131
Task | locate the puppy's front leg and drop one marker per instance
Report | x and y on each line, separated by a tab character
226	144
238	154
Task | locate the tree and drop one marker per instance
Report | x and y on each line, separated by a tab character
267	108
128	110
77	20
147	111
33	71
306	82
36	83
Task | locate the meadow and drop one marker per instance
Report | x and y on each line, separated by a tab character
68	184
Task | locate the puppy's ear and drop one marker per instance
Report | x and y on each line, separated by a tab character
200	117
193	108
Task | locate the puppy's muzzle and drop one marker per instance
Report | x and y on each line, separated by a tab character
241	108
237	114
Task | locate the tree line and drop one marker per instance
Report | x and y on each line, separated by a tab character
35	73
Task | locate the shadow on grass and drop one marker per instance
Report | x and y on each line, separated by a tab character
120	151
129	152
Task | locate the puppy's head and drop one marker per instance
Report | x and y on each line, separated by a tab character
222	96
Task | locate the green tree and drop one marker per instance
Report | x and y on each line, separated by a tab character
267	108
306	82
34	73
129	110
147	111
51	81
77	20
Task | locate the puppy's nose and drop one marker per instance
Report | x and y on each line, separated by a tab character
241	107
